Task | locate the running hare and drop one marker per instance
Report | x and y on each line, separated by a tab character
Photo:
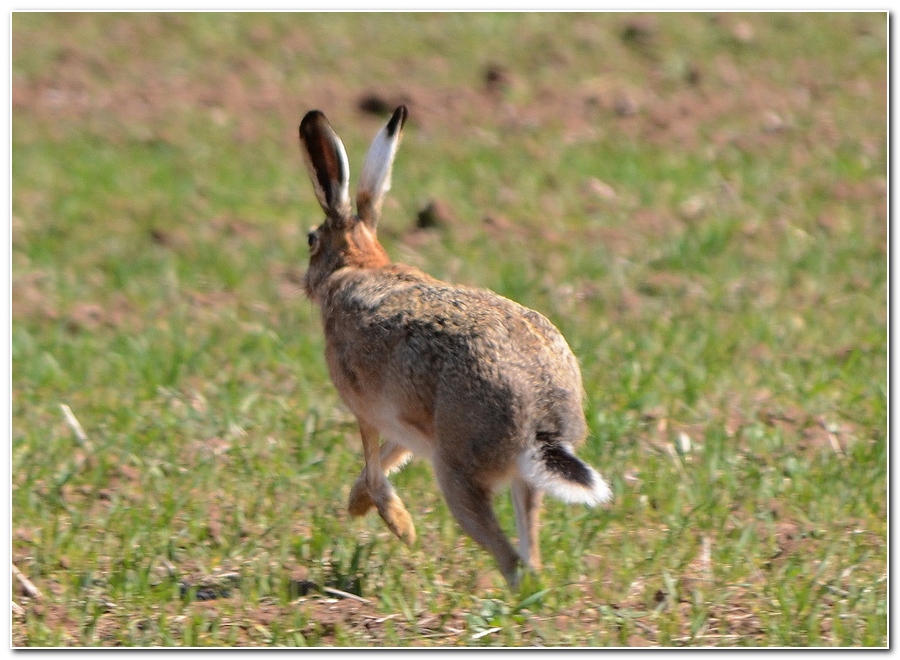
484	388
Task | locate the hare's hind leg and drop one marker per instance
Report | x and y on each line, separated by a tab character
386	501
470	503
527	505
392	456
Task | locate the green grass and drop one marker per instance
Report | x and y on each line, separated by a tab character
727	304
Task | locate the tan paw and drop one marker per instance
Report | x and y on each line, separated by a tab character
398	520
360	501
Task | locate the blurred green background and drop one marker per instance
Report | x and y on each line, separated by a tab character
698	201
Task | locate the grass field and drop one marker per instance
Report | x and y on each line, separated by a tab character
697	201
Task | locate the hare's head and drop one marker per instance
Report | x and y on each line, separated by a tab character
345	239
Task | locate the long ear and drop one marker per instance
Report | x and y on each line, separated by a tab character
375	179
326	161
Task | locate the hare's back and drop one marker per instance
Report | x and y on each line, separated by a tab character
418	357
402	312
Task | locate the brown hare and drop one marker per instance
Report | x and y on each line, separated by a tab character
484	388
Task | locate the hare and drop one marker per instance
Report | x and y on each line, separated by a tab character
487	390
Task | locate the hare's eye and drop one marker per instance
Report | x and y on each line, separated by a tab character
311	238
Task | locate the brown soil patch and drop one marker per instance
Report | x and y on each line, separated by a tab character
717	101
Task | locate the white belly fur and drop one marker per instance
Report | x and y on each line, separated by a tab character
391	427
385	417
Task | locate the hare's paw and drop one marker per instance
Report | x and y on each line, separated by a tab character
398	520
527	582
360	500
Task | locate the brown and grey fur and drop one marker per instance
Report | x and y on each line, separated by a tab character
484	388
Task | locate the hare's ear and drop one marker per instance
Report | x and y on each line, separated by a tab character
326	161
375	179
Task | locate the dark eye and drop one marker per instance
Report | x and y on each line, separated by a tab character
311	238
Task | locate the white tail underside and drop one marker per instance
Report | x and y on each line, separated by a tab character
536	473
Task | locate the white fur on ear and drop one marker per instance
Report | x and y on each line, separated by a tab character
375	179
327	164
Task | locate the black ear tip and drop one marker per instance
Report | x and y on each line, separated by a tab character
397	120
310	118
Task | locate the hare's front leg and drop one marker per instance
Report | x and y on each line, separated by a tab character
389	506
392	457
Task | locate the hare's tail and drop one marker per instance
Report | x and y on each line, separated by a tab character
550	465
